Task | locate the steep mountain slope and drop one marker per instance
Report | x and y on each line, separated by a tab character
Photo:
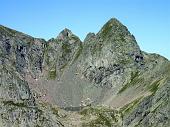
20	56
106	80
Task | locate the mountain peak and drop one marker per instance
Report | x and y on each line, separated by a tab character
113	26
89	36
64	34
114	21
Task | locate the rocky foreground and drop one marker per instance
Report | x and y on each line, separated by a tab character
105	81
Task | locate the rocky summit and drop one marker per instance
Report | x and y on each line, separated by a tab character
105	81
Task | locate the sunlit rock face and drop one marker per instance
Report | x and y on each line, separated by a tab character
107	77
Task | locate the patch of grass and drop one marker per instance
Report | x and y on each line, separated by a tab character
48	51
14	104
127	108
97	48
134	75
75	38
63	66
9	31
106	29
55	111
101	120
89	110
154	86
52	74
124	61
94	110
78	53
103	116
134	80
122	39
66	48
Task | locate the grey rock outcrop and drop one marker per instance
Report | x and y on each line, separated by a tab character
17	104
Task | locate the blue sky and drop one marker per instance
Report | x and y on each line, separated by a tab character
148	20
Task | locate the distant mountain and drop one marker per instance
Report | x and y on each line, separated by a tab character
105	81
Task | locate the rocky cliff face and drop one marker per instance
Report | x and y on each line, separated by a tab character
105	80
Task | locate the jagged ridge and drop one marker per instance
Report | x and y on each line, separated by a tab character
108	69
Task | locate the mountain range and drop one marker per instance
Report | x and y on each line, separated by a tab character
104	81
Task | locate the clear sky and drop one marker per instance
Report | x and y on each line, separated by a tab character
148	20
